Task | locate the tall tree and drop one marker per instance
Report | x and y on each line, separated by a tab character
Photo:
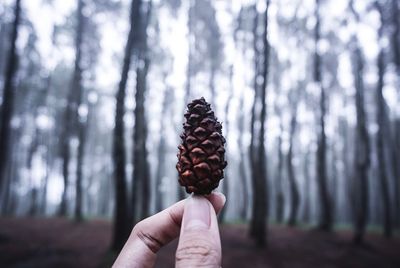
141	173
383	133
225	185
325	215
395	44
162	146
82	136
8	96
260	198
279	178
121	227
242	166
362	144
294	191
73	102
307	192
361	154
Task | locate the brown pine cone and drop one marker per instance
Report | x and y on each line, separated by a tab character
201	157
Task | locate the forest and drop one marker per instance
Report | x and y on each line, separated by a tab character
93	95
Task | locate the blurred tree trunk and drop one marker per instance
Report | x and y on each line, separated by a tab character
3	47
8	97
141	178
395	150
242	166
335	182
252	149
260	198
362	150
347	202
212	86
162	147
279	180
225	182
141	173
294	191
33	191
73	102
325	220
382	135
307	192
121	227
82	135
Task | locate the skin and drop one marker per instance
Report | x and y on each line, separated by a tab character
193	220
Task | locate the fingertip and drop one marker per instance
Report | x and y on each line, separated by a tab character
218	201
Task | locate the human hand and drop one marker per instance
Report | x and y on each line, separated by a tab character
199	241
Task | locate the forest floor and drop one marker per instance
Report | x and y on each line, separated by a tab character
63	243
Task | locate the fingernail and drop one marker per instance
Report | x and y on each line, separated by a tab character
197	213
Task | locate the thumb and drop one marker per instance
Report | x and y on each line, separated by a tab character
199	241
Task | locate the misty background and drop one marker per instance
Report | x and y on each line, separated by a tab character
94	92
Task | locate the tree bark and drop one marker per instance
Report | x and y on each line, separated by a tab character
294	191
395	150
121	227
242	166
382	134
252	149
325	217
71	111
307	192
82	135
362	151
225	182
161	151
279	180
141	174
260	198
8	97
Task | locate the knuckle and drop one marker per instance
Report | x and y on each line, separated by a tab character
147	238
197	251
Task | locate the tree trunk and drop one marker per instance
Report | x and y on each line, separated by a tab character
252	148
362	151
71	111
242	166
121	227
33	191
141	176
346	197
294	191
307	192
395	150
260	198
8	97
279	180
82	128
225	182
325	217
382	134
161	151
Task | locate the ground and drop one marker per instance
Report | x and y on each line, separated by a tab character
64	243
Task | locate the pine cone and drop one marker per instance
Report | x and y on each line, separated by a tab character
201	157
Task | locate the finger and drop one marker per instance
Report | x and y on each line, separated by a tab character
149	235
199	241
